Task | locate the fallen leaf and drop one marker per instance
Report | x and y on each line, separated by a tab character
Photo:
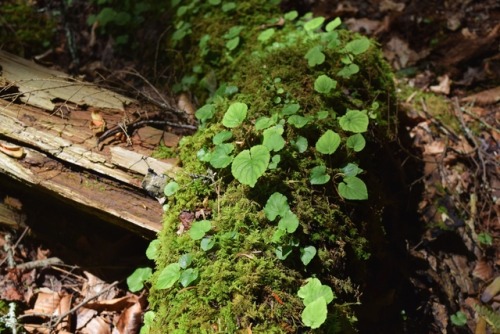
130	320
486	97
491	290
444	85
483	270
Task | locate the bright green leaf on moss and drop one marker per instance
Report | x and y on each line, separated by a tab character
322	114
353	188
275	160
307	254
357	142
149	317
319	175
233	43
354	121
264	122
135	282
168	276
314	24
188	276
459	318
292	15
315	56
222	137
276	205
290	109
233	32
203	155
333	24
221	157
298	121
185	260
289	222
171	188
348	70
273	138
266	35
351	170
314	290
205	113
282	252
277	235
199	228
214	2
314	314
357	46
300	144
324	84
251	164
235	115
228	6
152	250
207	244
328	142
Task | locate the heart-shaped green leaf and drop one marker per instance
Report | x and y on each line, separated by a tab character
328	142
276	205
324	84
353	188
251	164
357	142
235	115
354	121
168	276
319	175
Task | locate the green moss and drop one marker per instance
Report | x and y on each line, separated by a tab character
241	276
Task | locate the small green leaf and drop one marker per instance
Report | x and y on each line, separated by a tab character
207	244
152	250
307	254
290	109
235	115
314	290
292	15
275	160
319	175
277	235
322	114
205	113
357	142
351	170
250	165
149	317
135	282
324	84
314	314
459	318
348	70
203	155
315	56
233	32
221	157
276	205
314	23
282	252
353	188
357	46
264	122
226	7
289	222
222	137
168	276
188	276
233	43
485	238
273	138
298	121
266	35
214	2
354	121
328	142
333	24
300	144
185	260
199	228
171	188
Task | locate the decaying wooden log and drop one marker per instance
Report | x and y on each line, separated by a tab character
49	117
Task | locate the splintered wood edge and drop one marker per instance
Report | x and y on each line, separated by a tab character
140	163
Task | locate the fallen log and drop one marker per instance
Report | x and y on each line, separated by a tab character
50	136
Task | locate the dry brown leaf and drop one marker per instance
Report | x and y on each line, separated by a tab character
95	285
184	103
440	315
96	325
116	304
130	320
483	270
434	148
363	25
444	85
485	97
491	290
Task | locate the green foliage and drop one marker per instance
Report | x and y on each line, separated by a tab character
171	188
249	165
315	56
152	250
328	142
135	282
168	276
458	319
235	115
319	175
307	254
485	238
353	188
357	142
491	316
354	121
316	297
199	229
324	84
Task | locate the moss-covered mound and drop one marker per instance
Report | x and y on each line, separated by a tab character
276	192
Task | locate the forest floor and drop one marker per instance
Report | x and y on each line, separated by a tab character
446	57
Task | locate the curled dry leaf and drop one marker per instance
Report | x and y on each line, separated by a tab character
485	97
491	290
12	150
444	85
483	270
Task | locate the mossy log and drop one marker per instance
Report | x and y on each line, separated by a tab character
249	266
